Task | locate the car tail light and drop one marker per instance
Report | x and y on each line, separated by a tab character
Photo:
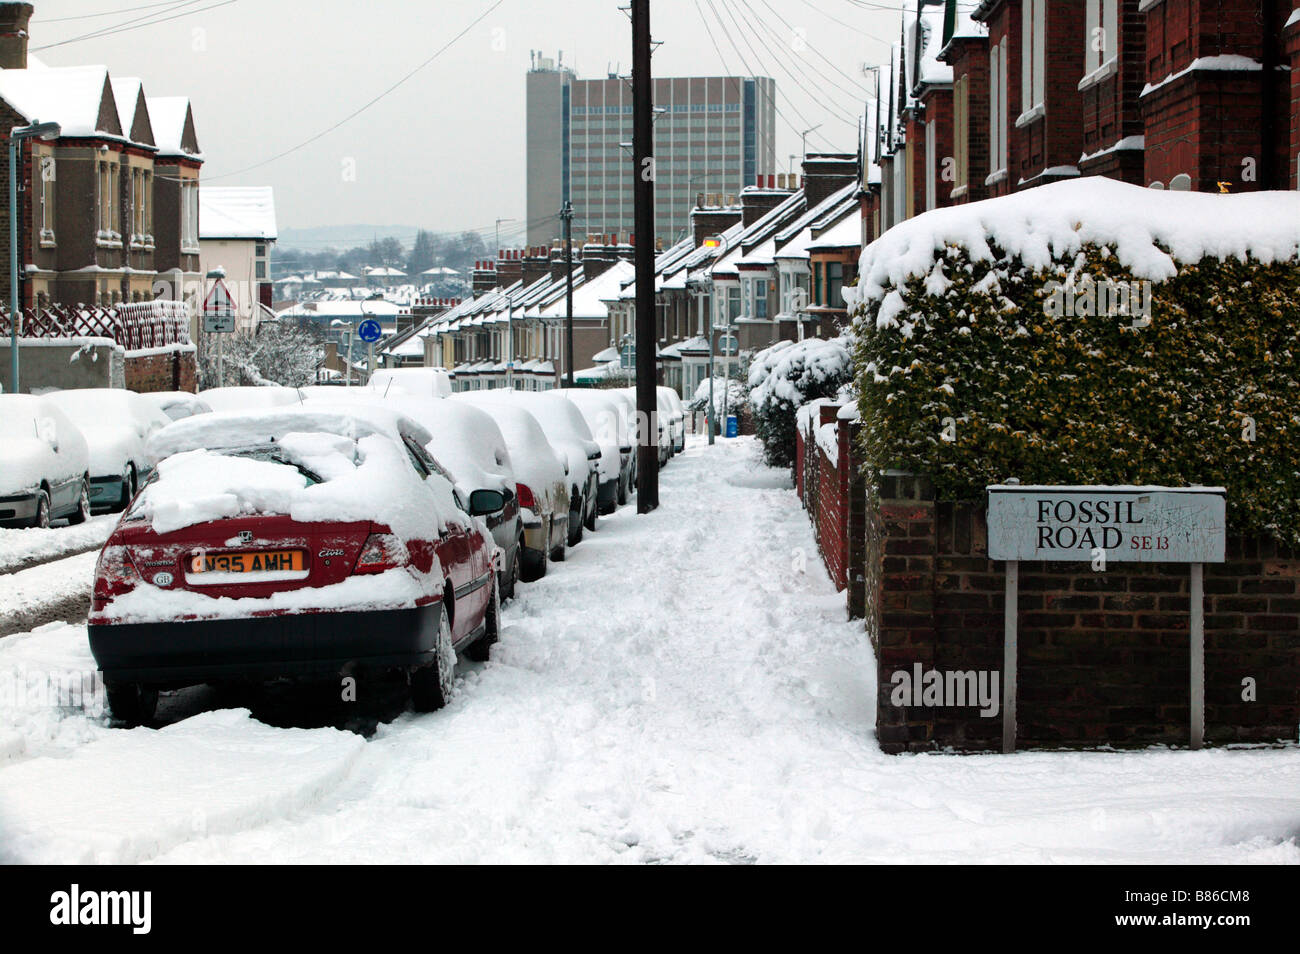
382	551
114	576
526	496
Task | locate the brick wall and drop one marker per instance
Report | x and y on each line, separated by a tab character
1111	108
1103	657
1292	41
174	369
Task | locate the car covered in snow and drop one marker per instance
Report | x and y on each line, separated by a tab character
178	404
663	421
569	434
607	417
117	425
467	442
249	397
420	382
293	543
671	401
44	464
541	485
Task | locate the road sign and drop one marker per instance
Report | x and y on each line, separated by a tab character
219	310
1130	525
370	331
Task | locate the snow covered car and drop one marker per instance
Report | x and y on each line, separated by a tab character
676	417
663	418
541	484
117	425
177	404
249	398
293	543
569	434
421	382
43	464
468	443
607	417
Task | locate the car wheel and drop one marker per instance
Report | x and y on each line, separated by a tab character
82	513
431	683
130	703
622	492
512	575
591	517
480	649
575	527
42	518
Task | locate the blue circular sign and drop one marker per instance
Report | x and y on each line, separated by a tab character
370	331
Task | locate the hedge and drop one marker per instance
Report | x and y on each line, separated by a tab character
788	375
988	378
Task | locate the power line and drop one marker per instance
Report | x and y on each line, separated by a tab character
834	108
106	13
723	27
361	109
136	24
861	87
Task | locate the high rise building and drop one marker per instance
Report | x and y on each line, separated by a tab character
713	134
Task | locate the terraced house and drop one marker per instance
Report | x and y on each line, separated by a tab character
108	211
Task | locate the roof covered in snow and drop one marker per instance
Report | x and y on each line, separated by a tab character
78	98
173	126
238	212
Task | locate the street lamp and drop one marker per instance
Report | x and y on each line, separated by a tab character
37	130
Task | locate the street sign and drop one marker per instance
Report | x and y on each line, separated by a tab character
1099	525
370	331
219	310
1128	524
627	357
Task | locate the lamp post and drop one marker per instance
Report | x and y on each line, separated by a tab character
345	335
37	130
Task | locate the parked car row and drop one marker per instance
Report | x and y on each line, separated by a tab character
313	532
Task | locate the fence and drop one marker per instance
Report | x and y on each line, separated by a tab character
136	326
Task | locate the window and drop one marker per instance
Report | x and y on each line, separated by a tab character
961	135
47	200
834	284
190	217
817	282
760	298
108	185
1033	56
260	267
931	165
1102	36
998	109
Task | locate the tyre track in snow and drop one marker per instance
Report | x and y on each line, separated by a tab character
53	591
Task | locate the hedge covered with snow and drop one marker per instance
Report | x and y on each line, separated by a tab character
790	374
1090	332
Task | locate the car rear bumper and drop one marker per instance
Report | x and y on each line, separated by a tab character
17	511
262	648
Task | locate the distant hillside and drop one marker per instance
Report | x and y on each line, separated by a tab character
343	236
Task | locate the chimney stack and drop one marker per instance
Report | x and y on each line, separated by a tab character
14	19
484	278
510	266
537	264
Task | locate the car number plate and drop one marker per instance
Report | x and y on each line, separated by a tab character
265	561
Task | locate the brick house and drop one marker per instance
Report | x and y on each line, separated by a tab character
87	209
965	48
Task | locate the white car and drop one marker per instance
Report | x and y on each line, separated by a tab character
44	464
607	416
676	417
569	434
541	484
421	382
248	398
663	416
178	405
116	424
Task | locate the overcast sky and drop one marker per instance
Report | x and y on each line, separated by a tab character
445	149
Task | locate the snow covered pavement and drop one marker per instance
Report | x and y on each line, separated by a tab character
677	691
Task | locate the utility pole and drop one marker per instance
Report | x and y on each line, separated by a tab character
643	194
566	216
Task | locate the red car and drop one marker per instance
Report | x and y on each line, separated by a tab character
293	543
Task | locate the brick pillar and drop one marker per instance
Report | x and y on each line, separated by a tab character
905	543
1291	39
856	507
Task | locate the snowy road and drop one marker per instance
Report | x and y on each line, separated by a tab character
677	691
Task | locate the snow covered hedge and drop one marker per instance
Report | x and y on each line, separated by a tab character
788	375
1090	332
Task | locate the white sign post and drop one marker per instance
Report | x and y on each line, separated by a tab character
1101	525
219	319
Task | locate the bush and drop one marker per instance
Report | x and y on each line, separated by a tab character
787	375
972	374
